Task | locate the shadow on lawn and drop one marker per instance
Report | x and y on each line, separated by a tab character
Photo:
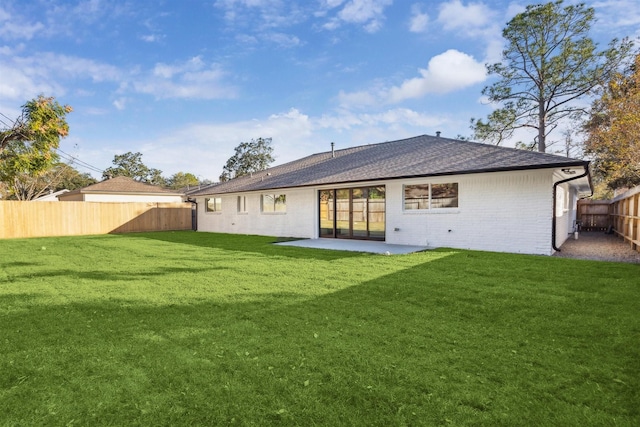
431	344
19	264
245	243
111	274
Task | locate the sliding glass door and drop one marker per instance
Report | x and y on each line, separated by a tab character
353	213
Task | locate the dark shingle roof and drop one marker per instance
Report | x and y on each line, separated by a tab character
419	156
123	184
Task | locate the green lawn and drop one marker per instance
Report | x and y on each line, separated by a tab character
191	328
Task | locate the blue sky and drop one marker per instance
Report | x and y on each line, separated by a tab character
185	81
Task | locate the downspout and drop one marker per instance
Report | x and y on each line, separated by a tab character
553	214
194	218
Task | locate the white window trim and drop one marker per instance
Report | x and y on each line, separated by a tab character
246	207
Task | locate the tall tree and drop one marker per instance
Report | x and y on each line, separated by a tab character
249	157
182	180
41	125
130	165
28	144
24	186
548	63
613	130
72	179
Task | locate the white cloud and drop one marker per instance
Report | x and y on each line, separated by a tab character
368	13
476	21
260	15
419	21
20	84
456	16
360	11
512	10
214	142
447	72
621	14
246	39
16	27
73	66
120	103
24	77
355	99
295	135
330	4
168	71
283	40
346	120
151	38
191	79
332	24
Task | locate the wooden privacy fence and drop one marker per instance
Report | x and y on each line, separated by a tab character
594	214
30	219
375	212
625	217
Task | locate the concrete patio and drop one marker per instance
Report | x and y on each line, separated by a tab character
355	246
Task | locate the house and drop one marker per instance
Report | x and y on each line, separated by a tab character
51	197
121	189
425	191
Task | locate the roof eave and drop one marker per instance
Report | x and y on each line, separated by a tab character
578	163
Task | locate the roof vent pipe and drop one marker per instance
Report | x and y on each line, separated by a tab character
333	153
438	134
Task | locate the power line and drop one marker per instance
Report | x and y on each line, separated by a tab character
80	163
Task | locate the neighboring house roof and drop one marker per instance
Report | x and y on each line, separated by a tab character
124	185
196	188
420	156
51	197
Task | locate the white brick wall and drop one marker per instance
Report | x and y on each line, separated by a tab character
299	221
502	211
505	212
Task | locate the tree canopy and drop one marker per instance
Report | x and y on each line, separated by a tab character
130	165
249	157
182	180
28	144
548	63
613	130
42	124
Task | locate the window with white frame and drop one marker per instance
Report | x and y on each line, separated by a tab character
430	196
213	204
274	203
242	204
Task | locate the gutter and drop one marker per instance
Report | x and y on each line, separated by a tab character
194	218
553	213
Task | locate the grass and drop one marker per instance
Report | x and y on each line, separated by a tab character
208	329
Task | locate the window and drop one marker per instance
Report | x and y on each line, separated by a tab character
242	204
214	204
444	195
430	196
274	203
416	196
